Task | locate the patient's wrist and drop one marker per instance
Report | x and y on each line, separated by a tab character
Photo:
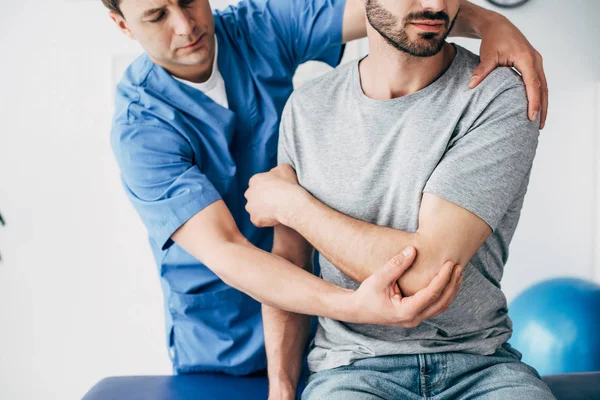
281	388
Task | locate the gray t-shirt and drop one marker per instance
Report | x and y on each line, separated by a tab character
373	159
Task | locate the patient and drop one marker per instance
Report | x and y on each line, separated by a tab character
395	150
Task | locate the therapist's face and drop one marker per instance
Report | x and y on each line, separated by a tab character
416	27
178	35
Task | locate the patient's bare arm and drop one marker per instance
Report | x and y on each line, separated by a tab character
446	231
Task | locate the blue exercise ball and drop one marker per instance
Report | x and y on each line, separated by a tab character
556	325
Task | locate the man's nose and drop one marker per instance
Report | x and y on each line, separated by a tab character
182	22
433	5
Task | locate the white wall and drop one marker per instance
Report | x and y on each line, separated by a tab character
597	197
79	293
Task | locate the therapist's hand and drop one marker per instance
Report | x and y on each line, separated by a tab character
271	194
502	44
378	300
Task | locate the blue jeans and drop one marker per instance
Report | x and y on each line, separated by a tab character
500	376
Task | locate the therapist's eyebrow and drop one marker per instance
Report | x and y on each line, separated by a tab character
151	11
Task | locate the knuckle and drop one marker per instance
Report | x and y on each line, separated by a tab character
539	56
397	260
535	82
412	323
529	58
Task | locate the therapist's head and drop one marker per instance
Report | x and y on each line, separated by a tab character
176	34
416	27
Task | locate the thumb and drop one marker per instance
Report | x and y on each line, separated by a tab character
394	268
481	72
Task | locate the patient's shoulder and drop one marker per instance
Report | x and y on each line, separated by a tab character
499	80
327	88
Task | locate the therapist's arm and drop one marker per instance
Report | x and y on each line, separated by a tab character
286	333
502	44
213	238
446	231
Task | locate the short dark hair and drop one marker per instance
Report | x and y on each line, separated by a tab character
113	5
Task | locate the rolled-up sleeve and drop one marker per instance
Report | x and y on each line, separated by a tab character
285	150
165	187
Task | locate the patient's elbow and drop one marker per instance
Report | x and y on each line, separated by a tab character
428	263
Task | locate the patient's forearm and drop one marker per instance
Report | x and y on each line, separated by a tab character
358	248
286	332
285	338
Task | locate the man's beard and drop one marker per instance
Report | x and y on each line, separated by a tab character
386	24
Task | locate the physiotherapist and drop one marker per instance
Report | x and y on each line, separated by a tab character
198	114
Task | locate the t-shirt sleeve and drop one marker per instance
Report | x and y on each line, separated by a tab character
306	29
286	153
483	170
165	187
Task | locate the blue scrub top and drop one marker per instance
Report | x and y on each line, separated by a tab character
179	151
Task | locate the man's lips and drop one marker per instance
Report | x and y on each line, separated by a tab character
189	46
429	25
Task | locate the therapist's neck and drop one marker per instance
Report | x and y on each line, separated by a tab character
387	73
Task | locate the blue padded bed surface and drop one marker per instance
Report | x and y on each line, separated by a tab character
218	387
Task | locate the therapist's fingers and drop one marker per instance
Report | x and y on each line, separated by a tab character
530	66
417	303
482	71
387	276
545	94
533	85
447	297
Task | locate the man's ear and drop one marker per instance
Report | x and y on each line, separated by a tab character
121	24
